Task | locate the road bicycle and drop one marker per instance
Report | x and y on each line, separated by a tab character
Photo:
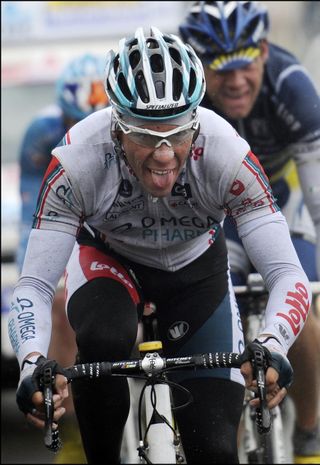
152	434
271	448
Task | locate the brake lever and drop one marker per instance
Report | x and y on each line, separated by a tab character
263	416
51	436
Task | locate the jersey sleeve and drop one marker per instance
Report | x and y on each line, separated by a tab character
29	319
249	194
269	247
266	239
58	206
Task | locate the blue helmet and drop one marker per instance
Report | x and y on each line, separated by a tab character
80	88
154	76
216	28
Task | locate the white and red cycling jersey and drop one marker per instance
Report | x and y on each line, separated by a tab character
89	184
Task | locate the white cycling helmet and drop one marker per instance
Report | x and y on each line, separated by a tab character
154	77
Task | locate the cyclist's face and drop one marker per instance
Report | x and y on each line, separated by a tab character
234	92
157	168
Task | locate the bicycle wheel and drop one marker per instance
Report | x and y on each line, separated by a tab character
255	448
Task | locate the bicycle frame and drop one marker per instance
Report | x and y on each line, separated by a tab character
161	441
151	366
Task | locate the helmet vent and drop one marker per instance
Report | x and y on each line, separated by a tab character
232	22
192	82
168	39
159	86
152	43
156	62
132	43
116	64
134	58
175	55
124	87
110	91
251	29
177	84
142	87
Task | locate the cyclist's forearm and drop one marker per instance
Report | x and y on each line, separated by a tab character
30	315
272	253
29	321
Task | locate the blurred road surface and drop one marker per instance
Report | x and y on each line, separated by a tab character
20	442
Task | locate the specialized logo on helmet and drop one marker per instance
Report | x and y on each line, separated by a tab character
177	330
162	107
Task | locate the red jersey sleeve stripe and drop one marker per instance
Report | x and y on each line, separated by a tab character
54	171
68	138
252	163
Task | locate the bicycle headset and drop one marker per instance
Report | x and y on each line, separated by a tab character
80	88
154	77
223	28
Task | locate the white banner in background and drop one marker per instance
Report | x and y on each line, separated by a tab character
39	20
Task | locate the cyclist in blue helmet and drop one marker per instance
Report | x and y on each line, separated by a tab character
78	89
79	92
132	205
270	99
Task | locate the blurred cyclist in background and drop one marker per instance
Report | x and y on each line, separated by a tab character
79	92
265	93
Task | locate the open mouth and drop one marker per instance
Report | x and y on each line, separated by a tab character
161	172
162	179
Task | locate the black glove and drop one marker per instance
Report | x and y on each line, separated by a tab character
274	357
249	353
30	380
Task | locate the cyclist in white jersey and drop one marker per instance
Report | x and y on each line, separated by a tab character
264	92
135	196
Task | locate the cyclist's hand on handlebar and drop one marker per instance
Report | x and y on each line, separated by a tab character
274	394
29	395
278	375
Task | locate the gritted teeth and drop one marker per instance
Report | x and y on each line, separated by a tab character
161	173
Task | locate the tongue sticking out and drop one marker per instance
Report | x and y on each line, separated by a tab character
163	180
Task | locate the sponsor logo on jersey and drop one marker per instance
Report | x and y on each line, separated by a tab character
24	322
284	333
182	189
299	306
237	187
196	153
123	207
125	189
182	203
96	266
109	158
177	330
